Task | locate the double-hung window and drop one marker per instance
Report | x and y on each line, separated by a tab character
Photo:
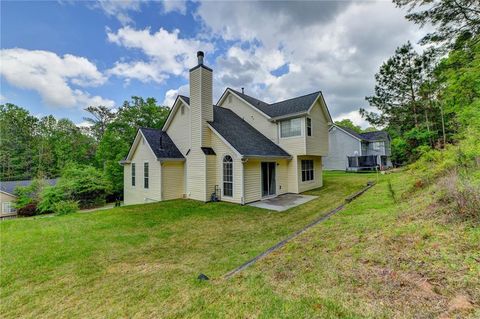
145	175
291	128
309	126
8	208
228	176
133	174
307	170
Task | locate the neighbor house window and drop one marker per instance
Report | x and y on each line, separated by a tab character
8	208
145	175
309	126
376	146
133	174
290	128
307	170
228	176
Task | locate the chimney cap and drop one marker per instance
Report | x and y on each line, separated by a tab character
200	54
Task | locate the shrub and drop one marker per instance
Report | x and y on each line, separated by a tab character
461	196
27	210
85	184
50	196
27	195
65	207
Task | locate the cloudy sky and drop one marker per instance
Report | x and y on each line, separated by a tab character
59	57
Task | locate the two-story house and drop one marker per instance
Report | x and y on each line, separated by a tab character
240	150
349	150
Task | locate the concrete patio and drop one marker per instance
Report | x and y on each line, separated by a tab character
283	202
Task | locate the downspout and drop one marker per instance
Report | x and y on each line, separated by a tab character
242	198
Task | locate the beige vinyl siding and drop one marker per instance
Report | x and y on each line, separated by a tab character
6	198
172	180
317	144
179	129
138	194
251	116
294	145
253	179
318	174
292	173
201	111
221	149
211	174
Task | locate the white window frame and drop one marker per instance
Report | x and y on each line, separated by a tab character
10	210
133	173
309	126
299	119
146	177
376	146
223	174
306	169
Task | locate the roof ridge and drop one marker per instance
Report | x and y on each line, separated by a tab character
297	97
229	88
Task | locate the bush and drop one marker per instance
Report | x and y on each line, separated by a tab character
27	210
461	196
30	194
50	196
85	184
65	207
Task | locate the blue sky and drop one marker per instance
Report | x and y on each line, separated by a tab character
59	57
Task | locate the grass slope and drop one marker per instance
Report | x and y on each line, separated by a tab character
377	258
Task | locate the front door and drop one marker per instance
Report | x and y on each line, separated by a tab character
268	179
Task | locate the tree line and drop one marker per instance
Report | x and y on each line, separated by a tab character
32	147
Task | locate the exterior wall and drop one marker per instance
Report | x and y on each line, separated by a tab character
341	146
6	198
294	145
317	174
253	179
179	129
317	144
138	194
172	180
201	111
251	116
221	150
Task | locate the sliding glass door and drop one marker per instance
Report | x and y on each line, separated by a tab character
268	179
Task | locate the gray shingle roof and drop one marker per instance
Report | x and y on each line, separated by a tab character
242	136
291	106
369	136
161	144
9	187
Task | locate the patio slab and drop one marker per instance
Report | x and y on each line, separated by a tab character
283	202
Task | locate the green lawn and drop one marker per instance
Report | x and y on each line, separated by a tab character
370	260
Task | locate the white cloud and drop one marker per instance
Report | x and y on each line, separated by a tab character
171	95
119	9
53	76
336	47
3	98
175	5
167	54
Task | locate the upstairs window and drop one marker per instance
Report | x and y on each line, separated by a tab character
145	175
309	126
377	145
228	176
291	128
133	174
307	170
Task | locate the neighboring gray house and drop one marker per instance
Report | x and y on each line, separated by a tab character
349	150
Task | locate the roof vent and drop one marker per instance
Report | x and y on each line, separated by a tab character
243	90
200	56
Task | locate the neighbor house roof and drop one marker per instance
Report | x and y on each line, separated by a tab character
368	136
295	105
160	143
242	136
9	186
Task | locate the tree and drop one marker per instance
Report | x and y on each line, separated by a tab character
101	116
120	133
453	19
349	124
17	143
